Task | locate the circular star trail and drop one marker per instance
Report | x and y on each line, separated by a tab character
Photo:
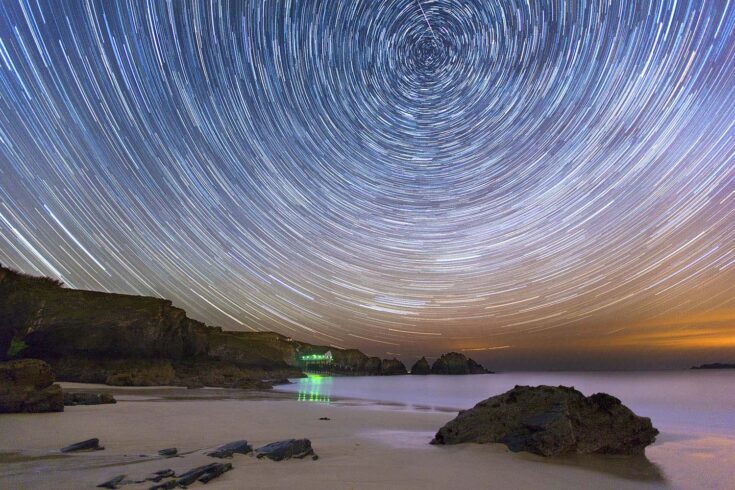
386	174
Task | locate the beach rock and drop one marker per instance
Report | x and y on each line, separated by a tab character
168	452
214	473
85	398
324	418
26	385
168	485
421	367
550	421
112	482
88	445
227	450
456	363
291	448
194	474
391	367
161	474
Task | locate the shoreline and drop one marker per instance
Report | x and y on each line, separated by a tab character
361	446
366	444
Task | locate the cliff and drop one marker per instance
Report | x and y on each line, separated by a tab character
118	339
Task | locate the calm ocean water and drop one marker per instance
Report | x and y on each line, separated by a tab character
694	410
699	400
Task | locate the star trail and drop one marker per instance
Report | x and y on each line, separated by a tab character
395	175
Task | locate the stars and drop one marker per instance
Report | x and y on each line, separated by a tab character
392	173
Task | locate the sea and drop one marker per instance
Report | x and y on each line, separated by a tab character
694	410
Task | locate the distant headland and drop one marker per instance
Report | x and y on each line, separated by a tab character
715	365
126	340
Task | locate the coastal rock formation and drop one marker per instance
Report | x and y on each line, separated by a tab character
26	385
86	398
421	367
290	448
88	445
202	473
550	421
390	367
456	363
227	450
126	340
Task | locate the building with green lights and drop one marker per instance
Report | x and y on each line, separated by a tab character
316	362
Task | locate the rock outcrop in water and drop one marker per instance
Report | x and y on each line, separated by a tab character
421	367
456	363
390	367
125	340
27	385
550	421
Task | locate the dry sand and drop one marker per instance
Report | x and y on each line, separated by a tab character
361	447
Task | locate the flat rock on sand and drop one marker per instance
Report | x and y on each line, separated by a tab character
550	421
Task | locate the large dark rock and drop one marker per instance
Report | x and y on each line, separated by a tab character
26	385
550	421
456	363
87	398
390	367
421	367
291	448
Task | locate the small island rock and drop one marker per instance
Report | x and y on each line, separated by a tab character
391	367
421	367
456	363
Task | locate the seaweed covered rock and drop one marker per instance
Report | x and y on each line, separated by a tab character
550	421
27	385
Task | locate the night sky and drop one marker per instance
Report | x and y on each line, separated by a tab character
534	183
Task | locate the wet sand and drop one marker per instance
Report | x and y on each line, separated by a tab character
363	446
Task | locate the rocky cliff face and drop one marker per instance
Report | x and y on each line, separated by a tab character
550	421
56	322
26	385
89	336
456	363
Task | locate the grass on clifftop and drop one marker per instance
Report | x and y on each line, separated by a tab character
16	347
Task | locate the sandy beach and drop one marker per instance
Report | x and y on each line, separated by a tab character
363	445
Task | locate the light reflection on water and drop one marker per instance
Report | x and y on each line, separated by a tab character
315	388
